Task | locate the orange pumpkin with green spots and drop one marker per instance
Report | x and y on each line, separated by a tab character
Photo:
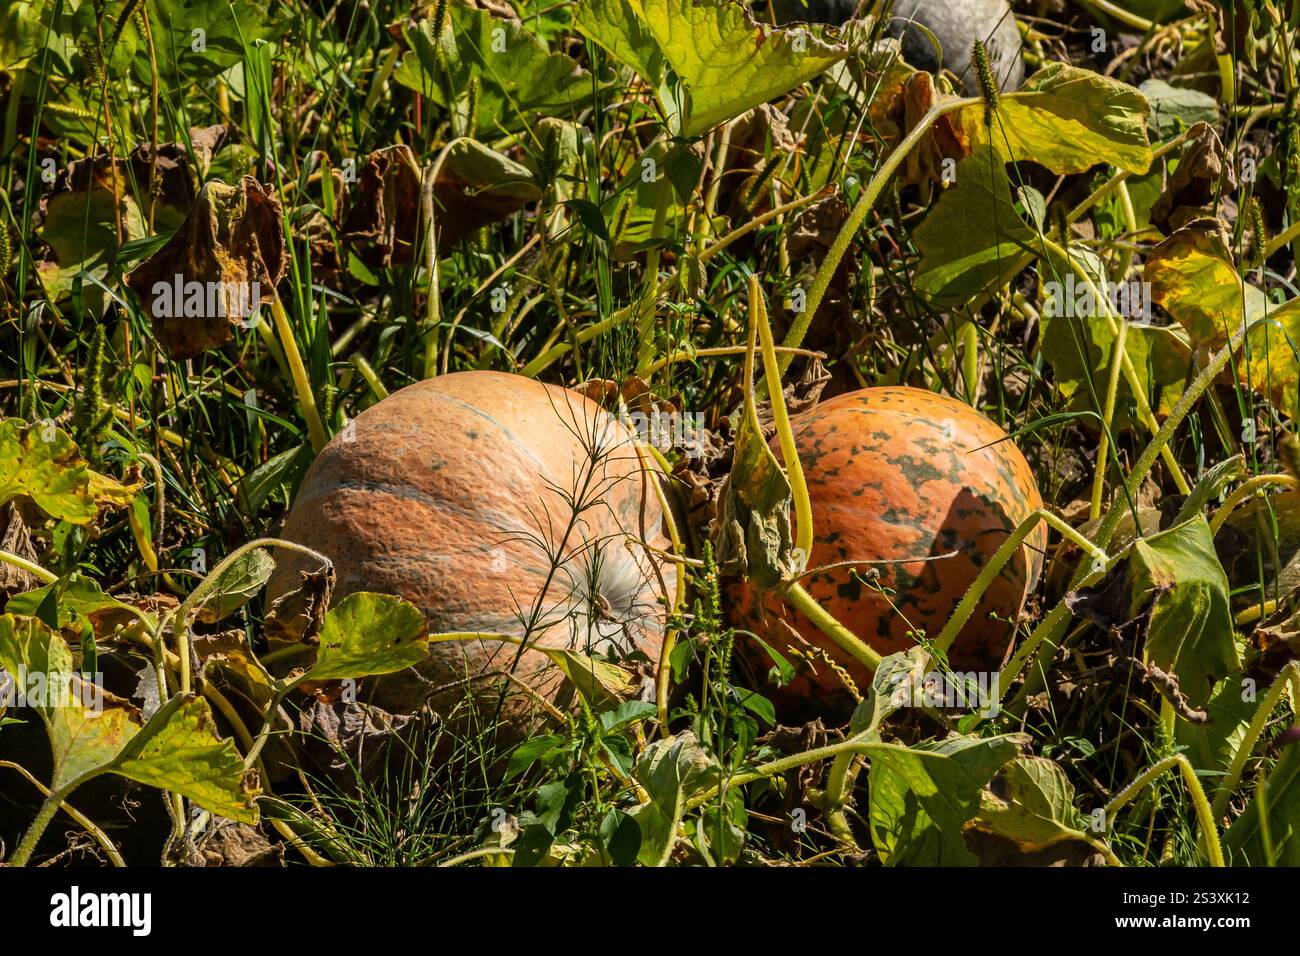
926	483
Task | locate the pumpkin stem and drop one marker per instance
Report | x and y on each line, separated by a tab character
845	639
785	435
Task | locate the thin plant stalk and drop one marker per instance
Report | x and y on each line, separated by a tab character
1209	832
298	372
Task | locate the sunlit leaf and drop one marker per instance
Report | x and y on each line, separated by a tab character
42	463
178	750
238	584
726	61
595	680
1193	277
368	634
1069	120
518	76
923	796
92	732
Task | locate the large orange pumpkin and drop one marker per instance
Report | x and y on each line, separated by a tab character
901	475
457	493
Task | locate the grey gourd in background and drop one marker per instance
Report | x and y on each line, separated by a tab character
956	24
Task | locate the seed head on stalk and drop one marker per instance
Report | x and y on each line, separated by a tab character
988	83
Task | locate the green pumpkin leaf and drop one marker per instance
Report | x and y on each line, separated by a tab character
723	827
238	584
672	771
1176	108
890	686
1177	575
923	796
1277	808
1211	484
621	837
228	26
22	35
39	663
1193	278
973	241
633	207
1210	746
518	76
368	634
92	732
79	598
726	61
1031	802
178	750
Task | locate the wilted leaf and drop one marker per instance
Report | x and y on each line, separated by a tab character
298	615
228	652
907	95
477	186
1202	176
233	237
384	208
16	539
726	61
368	634
754	529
